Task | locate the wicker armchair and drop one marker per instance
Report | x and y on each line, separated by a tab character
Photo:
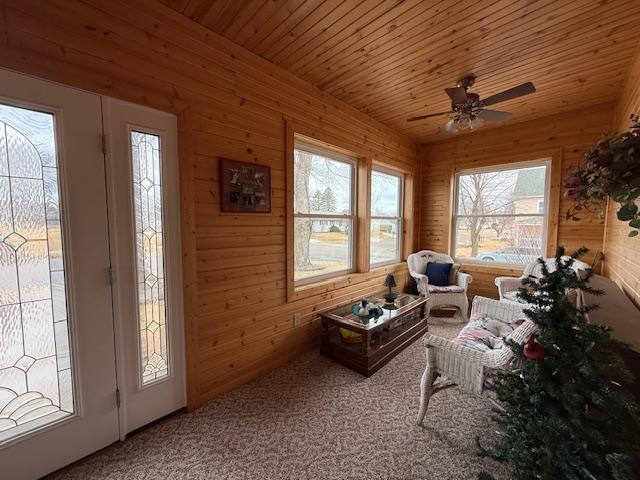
464	366
508	287
455	295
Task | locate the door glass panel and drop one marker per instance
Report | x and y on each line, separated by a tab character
147	199
36	386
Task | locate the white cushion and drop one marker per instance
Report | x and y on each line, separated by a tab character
449	289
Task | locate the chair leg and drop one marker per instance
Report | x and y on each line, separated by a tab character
464	308
426	388
427	310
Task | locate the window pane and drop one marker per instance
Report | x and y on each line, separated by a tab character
321	184
384	240
385	195
36	386
516	240
515	191
322	246
147	196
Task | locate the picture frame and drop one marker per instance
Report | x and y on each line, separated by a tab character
244	187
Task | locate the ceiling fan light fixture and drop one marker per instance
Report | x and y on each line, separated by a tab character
451	126
475	123
465	122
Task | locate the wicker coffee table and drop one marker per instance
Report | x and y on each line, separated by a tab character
374	341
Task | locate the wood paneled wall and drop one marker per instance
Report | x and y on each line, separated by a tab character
230	103
564	137
622	254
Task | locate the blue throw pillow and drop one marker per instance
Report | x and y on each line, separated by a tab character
438	273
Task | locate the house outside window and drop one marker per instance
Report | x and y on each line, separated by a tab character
500	214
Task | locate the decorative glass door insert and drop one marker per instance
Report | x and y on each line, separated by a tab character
36	386
147	200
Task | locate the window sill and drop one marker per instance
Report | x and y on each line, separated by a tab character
335	283
499	268
390	263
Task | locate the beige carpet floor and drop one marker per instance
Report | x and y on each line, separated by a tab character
312	419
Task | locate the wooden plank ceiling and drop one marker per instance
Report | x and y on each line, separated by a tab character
392	59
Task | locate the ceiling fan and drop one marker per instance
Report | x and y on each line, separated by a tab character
467	110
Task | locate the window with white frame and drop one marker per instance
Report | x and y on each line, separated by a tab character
500	214
324	213
386	217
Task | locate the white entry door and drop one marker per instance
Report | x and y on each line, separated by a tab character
57	359
142	161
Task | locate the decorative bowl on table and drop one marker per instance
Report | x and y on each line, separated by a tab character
373	311
355	309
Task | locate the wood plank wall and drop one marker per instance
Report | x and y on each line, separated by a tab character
230	103
622	254
565	136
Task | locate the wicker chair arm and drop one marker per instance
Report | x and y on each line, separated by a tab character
507	284
420	277
463	280
456	351
507	312
523	332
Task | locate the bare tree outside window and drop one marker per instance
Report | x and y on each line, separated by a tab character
481	195
497	214
302	231
323	214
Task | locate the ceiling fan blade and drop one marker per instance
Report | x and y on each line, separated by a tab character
515	92
422	117
493	115
458	95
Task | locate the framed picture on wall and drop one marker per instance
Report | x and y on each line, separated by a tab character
244	187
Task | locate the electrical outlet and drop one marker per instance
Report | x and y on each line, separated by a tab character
296	319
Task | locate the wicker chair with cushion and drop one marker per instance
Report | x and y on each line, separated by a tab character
454	294
478	349
508	287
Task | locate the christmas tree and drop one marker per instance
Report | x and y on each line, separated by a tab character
564	411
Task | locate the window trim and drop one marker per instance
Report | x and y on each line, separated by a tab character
302	143
363	274
549	163
399	218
